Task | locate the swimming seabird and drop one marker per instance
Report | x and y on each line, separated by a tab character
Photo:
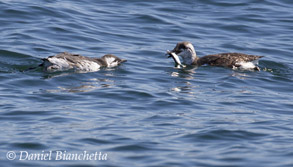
232	60
65	61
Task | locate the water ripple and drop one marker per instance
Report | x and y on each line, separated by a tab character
226	135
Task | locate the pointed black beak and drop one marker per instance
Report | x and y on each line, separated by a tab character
123	60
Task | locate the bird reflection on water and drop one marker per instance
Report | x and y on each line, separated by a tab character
90	85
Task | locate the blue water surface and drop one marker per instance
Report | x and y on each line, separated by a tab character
146	113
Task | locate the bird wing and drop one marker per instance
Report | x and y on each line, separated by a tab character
227	59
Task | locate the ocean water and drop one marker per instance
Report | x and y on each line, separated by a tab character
145	112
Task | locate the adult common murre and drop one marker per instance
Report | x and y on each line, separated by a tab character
66	61
232	60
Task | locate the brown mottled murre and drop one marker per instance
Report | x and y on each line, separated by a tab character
66	61
232	60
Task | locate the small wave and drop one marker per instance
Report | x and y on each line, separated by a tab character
95	141
13	61
132	147
277	68
224	135
28	145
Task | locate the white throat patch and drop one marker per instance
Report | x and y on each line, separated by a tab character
188	55
111	61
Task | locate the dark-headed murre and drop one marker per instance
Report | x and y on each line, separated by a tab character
232	60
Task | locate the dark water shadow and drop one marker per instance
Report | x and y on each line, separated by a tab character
277	68
16	62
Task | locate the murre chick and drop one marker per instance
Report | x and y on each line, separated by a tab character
66	61
186	51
